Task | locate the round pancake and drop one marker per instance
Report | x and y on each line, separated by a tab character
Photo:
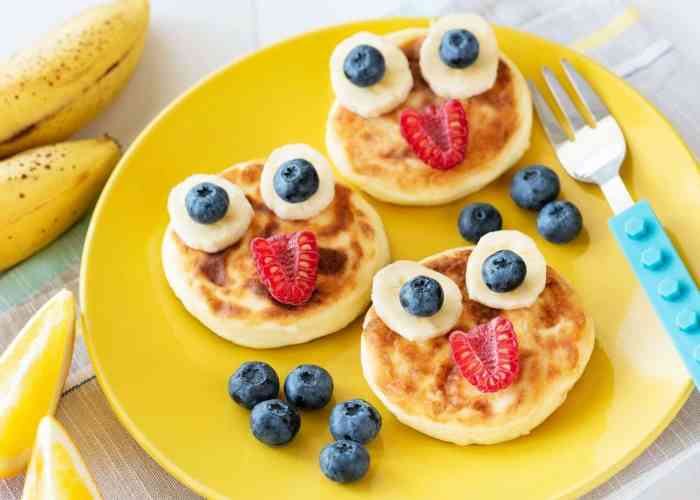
372	153
420	384
223	291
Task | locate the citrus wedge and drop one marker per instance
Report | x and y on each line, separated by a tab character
33	370
57	471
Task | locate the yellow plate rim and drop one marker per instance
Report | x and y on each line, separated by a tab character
121	413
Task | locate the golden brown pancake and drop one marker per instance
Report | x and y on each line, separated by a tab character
223	290
371	152
421	385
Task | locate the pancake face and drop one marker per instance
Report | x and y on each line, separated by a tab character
421	385
372	153
223	290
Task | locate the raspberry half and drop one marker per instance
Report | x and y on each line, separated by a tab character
487	356
438	135
287	265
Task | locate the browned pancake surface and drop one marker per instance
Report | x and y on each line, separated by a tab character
422	379
228	280
375	147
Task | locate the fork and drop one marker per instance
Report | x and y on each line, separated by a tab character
595	155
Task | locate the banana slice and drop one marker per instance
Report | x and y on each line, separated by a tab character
311	206
383	96
385	298
535	279
209	237
460	83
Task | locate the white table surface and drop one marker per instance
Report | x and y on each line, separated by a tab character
226	29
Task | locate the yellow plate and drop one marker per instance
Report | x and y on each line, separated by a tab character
165	374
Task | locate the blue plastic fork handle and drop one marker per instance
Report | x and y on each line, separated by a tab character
660	270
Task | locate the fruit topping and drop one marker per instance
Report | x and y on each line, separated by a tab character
438	135
421	296
459	48
503	271
487	356
206	203
370	74
296	180
287	265
407	300
364	66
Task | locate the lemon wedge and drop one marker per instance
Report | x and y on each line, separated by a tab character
33	370
57	471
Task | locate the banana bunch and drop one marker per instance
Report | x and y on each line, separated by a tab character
47	93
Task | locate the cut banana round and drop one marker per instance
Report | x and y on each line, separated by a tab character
311	206
386	286
209	237
460	83
383	96
535	279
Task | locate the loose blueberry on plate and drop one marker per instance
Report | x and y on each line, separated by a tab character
308	387
533	187
274	422
253	382
478	219
364	66
355	420
344	461
422	296
207	203
296	180
503	271
559	222
459	48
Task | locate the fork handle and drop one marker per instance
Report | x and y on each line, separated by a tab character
666	280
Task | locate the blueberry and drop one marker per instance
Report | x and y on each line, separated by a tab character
344	461
503	271
459	48
477	219
274	422
422	296
535	186
355	420
364	66
253	382
296	180
206	203
559	221
308	387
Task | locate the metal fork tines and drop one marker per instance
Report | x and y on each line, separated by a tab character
589	153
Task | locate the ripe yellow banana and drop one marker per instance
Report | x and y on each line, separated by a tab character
43	191
52	89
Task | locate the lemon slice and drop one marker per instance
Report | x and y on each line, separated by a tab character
57	470
33	370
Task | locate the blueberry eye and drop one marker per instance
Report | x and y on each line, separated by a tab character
503	271
207	203
422	296
364	66
296	181
459	48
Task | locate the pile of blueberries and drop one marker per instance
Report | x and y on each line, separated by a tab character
534	188
255	386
